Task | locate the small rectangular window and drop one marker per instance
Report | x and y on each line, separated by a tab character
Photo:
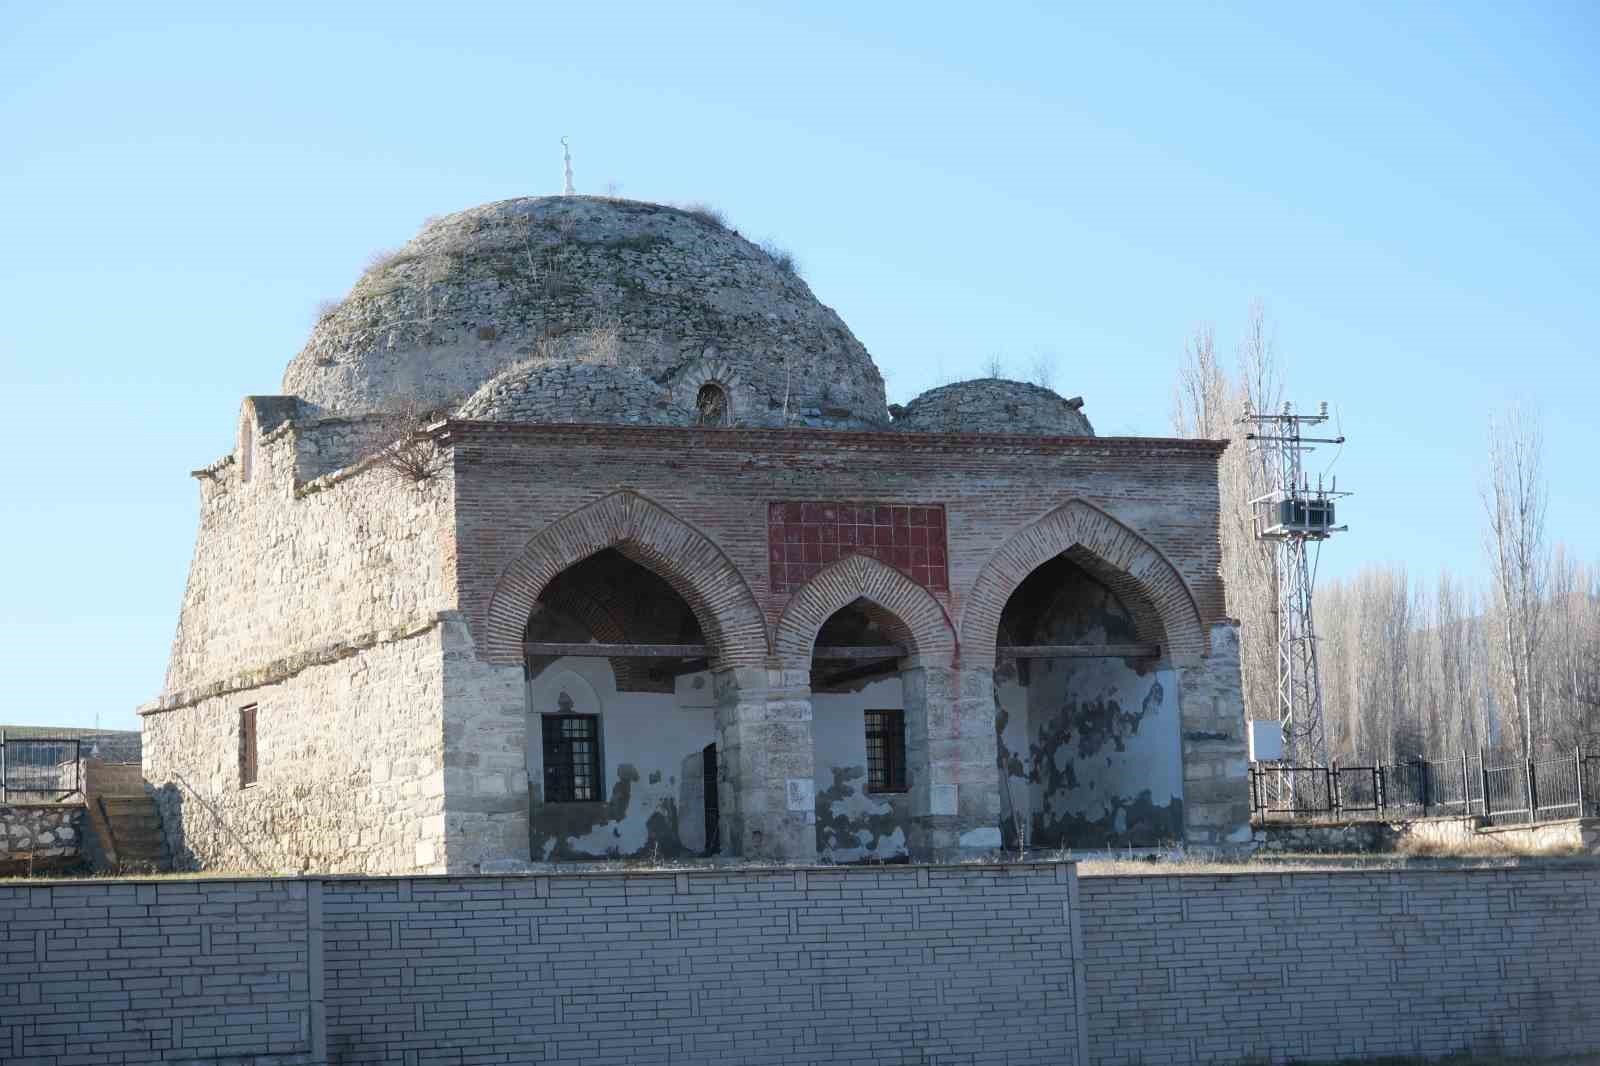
886	751
247	746
571	758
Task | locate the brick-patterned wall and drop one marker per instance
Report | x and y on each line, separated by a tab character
895	965
1323	966
176	971
511	482
968	964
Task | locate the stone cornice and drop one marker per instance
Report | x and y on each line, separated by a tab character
283	669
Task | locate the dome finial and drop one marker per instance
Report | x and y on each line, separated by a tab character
566	159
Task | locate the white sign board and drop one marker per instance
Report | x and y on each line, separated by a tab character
802	794
1266	741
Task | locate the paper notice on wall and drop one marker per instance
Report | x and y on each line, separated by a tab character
802	794
942	799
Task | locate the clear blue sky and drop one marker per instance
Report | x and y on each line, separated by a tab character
1412	193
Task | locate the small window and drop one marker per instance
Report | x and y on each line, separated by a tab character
247	746
886	751
571	758
711	405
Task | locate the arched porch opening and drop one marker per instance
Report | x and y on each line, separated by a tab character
621	717
859	715
1087	718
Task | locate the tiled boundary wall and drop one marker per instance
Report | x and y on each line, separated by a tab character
168	971
881	965
1349	964
967	964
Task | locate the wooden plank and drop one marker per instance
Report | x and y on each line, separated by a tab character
1079	651
864	651
695	651
622	651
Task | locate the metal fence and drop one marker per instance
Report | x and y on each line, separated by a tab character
1538	791
40	769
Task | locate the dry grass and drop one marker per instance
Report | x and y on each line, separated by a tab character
711	216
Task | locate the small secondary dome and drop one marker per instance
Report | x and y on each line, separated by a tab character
672	292
994	405
549	391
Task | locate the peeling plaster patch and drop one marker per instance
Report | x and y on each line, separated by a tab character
856	826
1104	761
986	837
635	821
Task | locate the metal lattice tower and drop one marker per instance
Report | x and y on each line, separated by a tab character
1292	516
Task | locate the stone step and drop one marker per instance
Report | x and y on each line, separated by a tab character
135	826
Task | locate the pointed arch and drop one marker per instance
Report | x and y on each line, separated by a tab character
1163	607
652	536
914	614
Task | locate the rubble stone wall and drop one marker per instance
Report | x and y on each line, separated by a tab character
350	774
50	832
284	571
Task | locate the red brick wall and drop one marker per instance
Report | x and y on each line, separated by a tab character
512	481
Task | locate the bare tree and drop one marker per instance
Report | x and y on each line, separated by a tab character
1515	499
1208	403
395	440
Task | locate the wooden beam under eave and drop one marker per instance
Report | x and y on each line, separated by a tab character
695	651
1078	651
616	651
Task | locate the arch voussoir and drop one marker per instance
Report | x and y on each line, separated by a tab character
1164	608
921	620
652	536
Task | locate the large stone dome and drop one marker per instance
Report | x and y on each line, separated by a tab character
672	293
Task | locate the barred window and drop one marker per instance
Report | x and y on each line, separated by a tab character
571	758
247	745
886	751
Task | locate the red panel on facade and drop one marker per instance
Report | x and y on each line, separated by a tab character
804	538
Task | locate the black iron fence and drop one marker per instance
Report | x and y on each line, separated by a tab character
1541	790
35	769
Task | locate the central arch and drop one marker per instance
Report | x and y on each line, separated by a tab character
652	536
910	609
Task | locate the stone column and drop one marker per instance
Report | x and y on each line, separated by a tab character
766	764
952	758
1216	767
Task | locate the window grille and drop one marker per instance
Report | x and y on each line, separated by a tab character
247	746
571	758
886	751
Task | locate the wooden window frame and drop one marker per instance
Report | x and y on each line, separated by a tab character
249	746
886	769
563	783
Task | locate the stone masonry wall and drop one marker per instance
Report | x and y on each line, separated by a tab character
350	768
1341	965
48	832
225	972
282	571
